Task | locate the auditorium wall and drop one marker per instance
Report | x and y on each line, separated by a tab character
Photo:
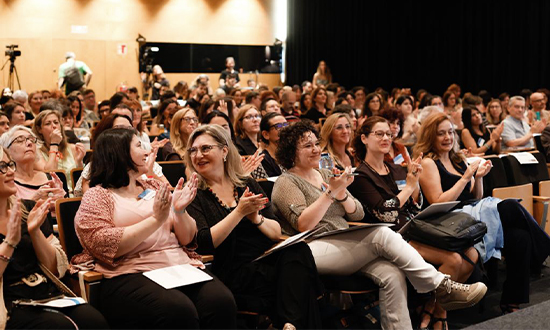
98	30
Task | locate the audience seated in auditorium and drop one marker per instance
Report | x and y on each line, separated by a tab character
512	231
495	115
55	152
306	198
476	137
247	129
373	105
336	135
30	257
125	233
15	112
31	183
4	122
390	193
270	126
318	108
236	223
538	111
398	153
516	132
184	122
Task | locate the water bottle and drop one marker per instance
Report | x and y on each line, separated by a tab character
326	162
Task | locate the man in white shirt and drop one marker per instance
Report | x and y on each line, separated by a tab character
516	132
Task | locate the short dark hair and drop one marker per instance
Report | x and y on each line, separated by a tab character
217	113
366	129
264	124
232	75
289	137
53	104
250	96
342	108
105	124
10	107
169	94
88	91
111	158
132	90
391	115
116	99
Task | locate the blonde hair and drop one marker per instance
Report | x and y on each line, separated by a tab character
38	125
326	134
232	165
238	125
428	137
178	140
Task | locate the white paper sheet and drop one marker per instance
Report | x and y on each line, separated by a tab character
176	276
524	157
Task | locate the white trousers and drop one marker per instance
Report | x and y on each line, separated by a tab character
382	255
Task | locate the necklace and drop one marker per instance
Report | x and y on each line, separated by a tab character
375	171
225	206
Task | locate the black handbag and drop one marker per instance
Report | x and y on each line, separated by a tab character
453	231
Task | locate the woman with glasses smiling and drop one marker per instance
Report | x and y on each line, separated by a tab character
182	124
31	183
236	223
247	129
335	139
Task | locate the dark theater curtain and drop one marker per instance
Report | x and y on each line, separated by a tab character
500	46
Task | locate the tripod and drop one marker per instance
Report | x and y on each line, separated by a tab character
13	74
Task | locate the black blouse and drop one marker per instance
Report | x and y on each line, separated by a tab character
24	263
314	115
245	243
270	165
378	195
448	180
245	146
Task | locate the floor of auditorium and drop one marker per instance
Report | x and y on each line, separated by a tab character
490	306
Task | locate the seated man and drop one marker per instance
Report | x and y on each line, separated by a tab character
517	133
538	110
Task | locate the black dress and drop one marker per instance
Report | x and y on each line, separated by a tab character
24	264
270	165
284	285
313	114
245	146
482	139
526	245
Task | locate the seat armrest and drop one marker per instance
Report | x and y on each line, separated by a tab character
92	276
207	258
541	199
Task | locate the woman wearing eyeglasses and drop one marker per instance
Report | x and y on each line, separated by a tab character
335	139
247	129
55	151
30	258
270	126
236	223
31	183
182	124
127	226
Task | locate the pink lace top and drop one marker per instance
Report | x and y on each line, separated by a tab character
100	223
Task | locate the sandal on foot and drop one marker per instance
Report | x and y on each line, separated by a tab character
443	320
422	313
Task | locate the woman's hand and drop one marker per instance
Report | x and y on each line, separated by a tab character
13	228
495	134
223	107
250	164
159	144
483	169
249	203
183	196
80	152
414	171
161	206
37	215
338	184
471	170
151	161
55	136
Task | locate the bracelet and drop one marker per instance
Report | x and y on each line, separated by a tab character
5	258
8	243
343	199
262	219
54	144
178	212
328	192
57	154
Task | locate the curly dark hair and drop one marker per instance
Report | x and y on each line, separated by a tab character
391	115
366	129
289	138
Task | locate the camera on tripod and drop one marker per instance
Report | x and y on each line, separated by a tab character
11	52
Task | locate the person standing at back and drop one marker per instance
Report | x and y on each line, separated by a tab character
73	74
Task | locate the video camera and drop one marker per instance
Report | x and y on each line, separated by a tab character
147	58
11	52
